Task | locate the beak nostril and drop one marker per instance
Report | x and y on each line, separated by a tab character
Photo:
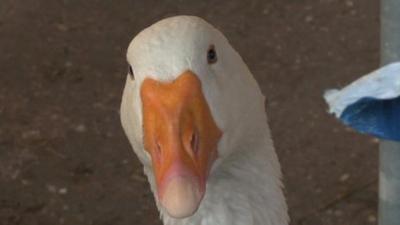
158	148
194	143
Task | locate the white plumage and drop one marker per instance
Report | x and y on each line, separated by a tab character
243	186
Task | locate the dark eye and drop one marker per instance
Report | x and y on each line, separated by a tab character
211	55
130	71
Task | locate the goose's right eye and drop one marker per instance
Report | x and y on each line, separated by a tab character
130	72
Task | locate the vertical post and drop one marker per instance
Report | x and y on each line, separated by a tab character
389	174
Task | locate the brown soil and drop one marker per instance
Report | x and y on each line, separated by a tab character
65	160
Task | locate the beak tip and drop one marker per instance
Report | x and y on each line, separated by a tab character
181	197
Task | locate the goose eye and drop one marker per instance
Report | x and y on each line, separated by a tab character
211	55
130	71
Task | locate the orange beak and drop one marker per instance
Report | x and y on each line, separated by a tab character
181	136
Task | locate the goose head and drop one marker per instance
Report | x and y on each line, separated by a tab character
189	102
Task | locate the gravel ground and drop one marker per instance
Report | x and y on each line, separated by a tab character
65	160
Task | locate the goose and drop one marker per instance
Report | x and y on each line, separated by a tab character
195	117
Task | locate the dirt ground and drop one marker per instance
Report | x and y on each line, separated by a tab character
65	160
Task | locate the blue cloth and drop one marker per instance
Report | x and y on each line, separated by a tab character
370	104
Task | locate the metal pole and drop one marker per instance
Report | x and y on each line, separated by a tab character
389	175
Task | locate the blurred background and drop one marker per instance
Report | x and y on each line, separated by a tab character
64	158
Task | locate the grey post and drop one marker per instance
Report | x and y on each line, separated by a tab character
389	174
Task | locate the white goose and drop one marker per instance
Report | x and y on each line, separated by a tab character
195	117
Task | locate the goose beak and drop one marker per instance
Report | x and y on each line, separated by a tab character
182	137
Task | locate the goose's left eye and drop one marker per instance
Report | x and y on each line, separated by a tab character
130	71
211	55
